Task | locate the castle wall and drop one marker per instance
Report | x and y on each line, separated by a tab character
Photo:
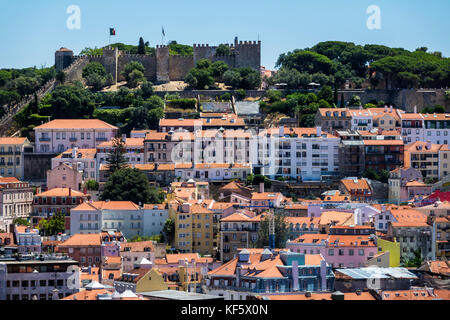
203	51
162	64
179	67
248	54
148	61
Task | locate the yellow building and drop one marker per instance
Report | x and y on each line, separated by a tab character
394	251
193	227
141	280
11	156
433	160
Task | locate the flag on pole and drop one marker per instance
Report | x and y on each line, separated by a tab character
112	31
163	33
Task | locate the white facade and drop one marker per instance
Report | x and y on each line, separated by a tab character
16	199
83	160
300	155
154	219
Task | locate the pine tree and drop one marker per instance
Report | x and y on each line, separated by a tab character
116	159
141	47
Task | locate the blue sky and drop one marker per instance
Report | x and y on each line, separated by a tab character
31	30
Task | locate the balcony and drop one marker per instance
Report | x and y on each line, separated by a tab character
101	139
44	139
6	152
73	139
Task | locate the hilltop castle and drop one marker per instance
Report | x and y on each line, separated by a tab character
162	67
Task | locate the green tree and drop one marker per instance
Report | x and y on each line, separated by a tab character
21	222
281	231
92	184
218	68
416	262
326	93
53	226
116	159
355	101
131	185
96	81
141	46
223	50
132	66
232	78
169	230
135	78
94	68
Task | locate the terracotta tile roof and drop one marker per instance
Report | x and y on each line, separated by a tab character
107	205
82	240
412	147
85	154
87	294
375	133
439	267
295	131
323	111
9	179
227	269
337	197
296	206
266	195
158	206
380	112
7	235
222	205
383	142
409	215
415	183
415	294
436	116
180	165
174	258
212	165
9	140
311	238
61	192
138	275
350	241
129	142
165	167
302	220
138	246
358	184
411	116
76	124
236	217
336	216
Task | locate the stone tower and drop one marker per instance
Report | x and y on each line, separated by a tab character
162	63
63	58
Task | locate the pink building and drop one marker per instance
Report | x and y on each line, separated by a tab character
64	176
343	247
61	134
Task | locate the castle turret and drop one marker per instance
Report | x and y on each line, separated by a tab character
63	58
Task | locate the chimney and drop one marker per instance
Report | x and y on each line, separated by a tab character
281	131
428	145
323	274
385	108
70	192
261	187
415	109
319	131
390	110
74	152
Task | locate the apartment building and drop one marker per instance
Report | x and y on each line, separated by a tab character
47	203
436	128
386	118
95	216
265	271
84	248
226	121
65	176
351	153
166	147
193	227
28	239
83	160
299	154
11	156
343	246
154	217
16	198
433	160
131	252
406	184
134	151
213	171
412	127
383	154
330	119
58	135
362	119
238	230
358	189
47	278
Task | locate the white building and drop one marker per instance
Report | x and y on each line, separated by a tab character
213	171
301	154
16	199
83	160
61	134
362	119
154	218
96	216
425	127
134	151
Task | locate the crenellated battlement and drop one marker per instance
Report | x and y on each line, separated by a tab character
162	67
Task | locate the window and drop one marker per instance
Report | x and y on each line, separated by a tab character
331	252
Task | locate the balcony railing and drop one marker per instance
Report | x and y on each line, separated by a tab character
72	139
44	139
101	139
